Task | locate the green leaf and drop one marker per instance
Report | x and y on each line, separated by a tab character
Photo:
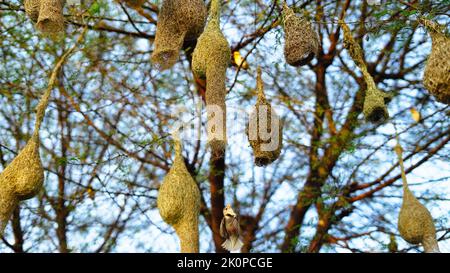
94	9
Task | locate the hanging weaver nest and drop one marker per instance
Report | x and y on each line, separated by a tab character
210	60
375	101
178	21
49	16
179	203
436	78
23	178
32	9
20	180
264	130
374	107
301	41
415	223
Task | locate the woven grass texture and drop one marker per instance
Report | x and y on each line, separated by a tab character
24	176
375	101
178	21
179	203
415	223
134	3
436	77
210	60
51	17
264	129
32	9
301	41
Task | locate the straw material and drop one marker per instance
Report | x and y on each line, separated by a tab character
134	3
436	77
375	101
51	18
179	203
301	41
415	223
32	9
24	176
178	21
264	130
210	60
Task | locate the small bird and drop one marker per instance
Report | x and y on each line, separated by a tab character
230	230
239	60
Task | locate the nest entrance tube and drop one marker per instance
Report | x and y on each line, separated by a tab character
436	78
415	223
301	41
179	202
134	3
24	176
210	60
51	17
264	129
375	101
178	21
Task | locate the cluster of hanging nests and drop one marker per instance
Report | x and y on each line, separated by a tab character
47	14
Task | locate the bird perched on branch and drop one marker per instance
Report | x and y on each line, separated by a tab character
239	61
230	230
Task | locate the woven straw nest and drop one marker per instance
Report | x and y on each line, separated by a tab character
134	3
301	41
375	101
179	203
415	223
20	180
32	9
210	60
264	130
47	14
178	21
374	107
436	77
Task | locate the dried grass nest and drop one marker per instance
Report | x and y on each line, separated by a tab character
264	129
436	77
179	202
178	21
301	41
374	108
24	176
415	223
47	14
210	60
